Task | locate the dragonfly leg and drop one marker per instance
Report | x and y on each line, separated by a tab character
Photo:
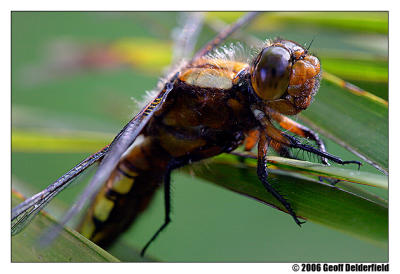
174	164
262	172
251	139
282	149
167	205
297	144
299	130
291	141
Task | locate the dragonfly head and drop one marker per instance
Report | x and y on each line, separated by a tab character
284	67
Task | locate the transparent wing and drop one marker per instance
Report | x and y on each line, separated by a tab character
225	33
23	214
185	35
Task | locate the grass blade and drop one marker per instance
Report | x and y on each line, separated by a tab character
352	213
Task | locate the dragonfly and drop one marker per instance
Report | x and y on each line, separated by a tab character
207	106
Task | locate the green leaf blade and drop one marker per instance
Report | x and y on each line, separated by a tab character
358	122
312	200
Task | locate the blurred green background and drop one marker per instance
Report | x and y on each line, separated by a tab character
66	80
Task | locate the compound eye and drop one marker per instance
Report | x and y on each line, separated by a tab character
271	72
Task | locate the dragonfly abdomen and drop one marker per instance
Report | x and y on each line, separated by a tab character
126	194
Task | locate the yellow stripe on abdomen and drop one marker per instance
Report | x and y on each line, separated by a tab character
120	183
103	209
124	181
123	186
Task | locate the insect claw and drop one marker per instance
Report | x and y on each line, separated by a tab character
298	222
353	162
331	181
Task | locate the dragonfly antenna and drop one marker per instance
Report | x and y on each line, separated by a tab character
312	40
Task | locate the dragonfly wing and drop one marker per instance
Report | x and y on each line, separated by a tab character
185	35
22	214
224	34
